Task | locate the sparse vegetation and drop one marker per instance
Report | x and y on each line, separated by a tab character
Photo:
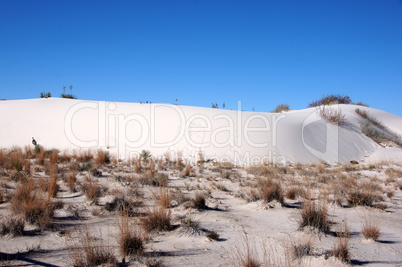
314	215
131	238
331	99
341	250
376	130
13	226
161	198
157	219
86	250
331	114
370	230
271	190
281	108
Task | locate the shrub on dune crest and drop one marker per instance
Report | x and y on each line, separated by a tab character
330	99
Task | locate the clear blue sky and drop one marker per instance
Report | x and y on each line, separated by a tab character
261	52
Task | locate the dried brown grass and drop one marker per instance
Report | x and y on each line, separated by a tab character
131	238
370	229
271	190
341	250
157	219
30	202
86	250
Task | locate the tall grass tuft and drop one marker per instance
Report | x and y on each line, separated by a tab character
341	250
131	238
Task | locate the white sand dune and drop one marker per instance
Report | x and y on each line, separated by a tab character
240	137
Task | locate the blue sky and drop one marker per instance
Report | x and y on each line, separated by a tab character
260	52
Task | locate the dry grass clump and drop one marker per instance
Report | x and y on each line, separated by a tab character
2	157
71	181
2	195
370	230
201	163
199	201
295	191
102	157
53	187
246	255
271	190
157	219
12	226
83	156
296	250
124	204
187	171
91	189
331	115
53	157
341	250
363	194
163	197
158	179
88	251
314	215
40	155
131	238
32	204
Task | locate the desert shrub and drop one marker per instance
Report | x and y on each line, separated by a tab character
126	205
330	99
53	156
370	230
246	255
201	162
187	171
102	157
17	165
314	215
163	197
88	251
363	194
299	249
199	201
365	114
157	219
378	134
270	190
2	195
84	156
131	238
12	226
360	103
281	108
68	96
145	155
71	181
190	226
2	157
331	115
293	192
158	179
341	250
53	187
32	204
212	235
91	189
